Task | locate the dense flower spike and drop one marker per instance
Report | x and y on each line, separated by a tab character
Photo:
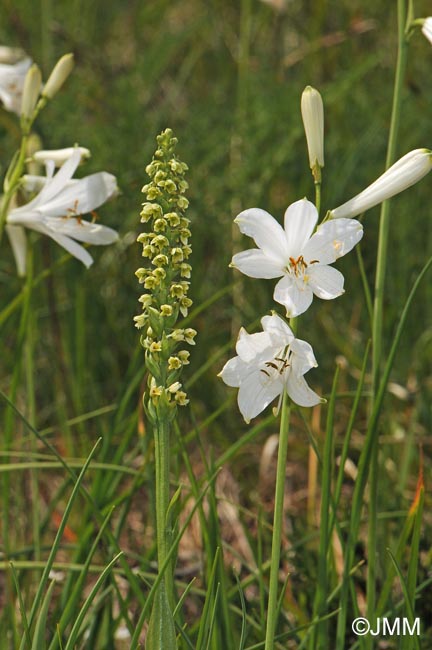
300	257
58	209
166	277
13	71
269	363
407	171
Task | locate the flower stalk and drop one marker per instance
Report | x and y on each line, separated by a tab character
166	284
277	524
377	320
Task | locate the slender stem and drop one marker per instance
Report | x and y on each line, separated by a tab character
15	176
162	466
277	524
377	319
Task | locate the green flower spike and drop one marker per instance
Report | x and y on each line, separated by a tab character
165	279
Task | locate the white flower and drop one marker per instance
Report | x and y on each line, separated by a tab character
427	28
269	363
313	121
12	77
405	172
58	209
300	257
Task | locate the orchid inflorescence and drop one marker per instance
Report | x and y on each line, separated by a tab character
166	278
300	254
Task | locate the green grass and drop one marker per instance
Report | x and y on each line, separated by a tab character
227	78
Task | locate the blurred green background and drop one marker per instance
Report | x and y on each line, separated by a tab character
227	77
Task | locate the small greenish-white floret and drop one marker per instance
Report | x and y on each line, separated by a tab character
58	76
407	171
427	28
313	120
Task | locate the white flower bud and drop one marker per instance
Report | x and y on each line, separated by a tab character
58	76
404	173
427	28
59	156
31	90
313	120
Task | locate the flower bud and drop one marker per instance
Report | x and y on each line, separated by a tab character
405	172
313	120
59	156
31	90
58	76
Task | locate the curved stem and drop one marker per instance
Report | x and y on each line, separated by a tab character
378	303
272	612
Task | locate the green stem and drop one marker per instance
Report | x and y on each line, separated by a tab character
377	320
15	176
161	437
272	610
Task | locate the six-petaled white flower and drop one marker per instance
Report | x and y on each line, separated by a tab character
269	363
12	77
58	209
300	257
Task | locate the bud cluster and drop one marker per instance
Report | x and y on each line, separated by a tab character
166	276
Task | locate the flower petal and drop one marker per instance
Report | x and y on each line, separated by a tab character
256	392
300	392
303	358
91	233
82	197
58	182
18	241
300	221
266	231
254	347
332	240
256	264
67	243
277	327
326	282
296	296
233	372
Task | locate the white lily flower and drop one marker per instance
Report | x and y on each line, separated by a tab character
12	77
427	28
296	255
58	209
269	363
407	171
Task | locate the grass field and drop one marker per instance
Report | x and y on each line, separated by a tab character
227	79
